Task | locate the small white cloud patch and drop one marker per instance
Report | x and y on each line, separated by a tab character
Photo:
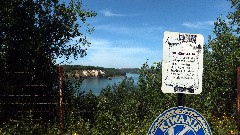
108	13
198	25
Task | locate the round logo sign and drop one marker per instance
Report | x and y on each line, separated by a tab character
180	121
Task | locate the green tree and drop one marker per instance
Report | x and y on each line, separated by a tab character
221	59
33	33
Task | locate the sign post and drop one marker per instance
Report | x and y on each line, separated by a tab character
238	98
181	99
60	99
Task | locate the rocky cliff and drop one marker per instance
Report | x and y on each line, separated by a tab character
86	73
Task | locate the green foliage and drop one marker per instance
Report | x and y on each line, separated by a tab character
28	126
70	68
150	94
117	108
130	70
41	31
33	34
111	72
129	109
234	16
125	108
221	61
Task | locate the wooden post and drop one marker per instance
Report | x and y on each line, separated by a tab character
60	100
181	99
238	98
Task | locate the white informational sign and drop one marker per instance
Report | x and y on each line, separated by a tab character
182	64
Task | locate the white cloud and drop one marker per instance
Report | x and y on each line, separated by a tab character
108	13
198	25
150	32
105	53
123	52
113	29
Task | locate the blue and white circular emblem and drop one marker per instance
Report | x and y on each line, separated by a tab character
180	121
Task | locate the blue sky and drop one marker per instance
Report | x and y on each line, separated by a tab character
128	32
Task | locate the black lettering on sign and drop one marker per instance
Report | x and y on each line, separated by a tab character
187	38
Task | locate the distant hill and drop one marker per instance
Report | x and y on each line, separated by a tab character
130	70
95	71
69	68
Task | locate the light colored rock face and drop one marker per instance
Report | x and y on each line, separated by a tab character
86	73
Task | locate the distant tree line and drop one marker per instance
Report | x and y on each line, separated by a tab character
130	70
70	68
109	72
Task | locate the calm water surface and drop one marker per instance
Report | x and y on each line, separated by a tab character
96	84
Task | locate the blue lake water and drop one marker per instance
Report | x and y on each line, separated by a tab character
97	84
